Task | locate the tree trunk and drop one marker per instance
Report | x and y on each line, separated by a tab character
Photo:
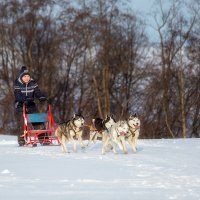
106	91
182	102
98	97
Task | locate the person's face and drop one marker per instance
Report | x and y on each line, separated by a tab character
26	78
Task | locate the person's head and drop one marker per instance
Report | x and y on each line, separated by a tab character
24	74
26	78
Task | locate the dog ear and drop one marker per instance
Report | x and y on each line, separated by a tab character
113	117
135	115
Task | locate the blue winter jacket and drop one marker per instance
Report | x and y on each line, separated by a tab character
23	91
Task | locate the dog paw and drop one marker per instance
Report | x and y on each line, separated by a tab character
103	153
134	150
114	151
66	152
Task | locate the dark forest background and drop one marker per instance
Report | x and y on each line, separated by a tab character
95	57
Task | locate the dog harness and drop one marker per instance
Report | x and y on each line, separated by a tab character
69	125
132	132
74	128
120	133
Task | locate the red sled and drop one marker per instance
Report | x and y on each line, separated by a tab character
39	128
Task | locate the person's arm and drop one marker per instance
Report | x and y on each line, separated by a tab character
19	97
38	93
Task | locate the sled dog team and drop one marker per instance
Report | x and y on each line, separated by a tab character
114	134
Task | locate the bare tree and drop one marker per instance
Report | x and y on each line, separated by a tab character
174	30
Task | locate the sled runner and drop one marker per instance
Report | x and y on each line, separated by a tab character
39	128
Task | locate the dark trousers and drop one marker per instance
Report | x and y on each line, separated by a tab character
20	121
20	126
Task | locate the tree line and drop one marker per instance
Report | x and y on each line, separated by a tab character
96	58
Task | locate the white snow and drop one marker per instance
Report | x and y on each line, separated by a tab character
160	170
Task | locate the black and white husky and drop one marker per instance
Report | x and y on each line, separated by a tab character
134	131
99	127
112	133
71	131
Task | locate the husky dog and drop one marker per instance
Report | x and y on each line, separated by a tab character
118	133
70	131
99	126
134	131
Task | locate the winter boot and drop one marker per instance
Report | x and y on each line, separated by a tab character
21	140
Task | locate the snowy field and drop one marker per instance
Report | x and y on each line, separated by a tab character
160	170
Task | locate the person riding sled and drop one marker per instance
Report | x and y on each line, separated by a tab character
26	90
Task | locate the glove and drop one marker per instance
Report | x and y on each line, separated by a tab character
41	99
49	100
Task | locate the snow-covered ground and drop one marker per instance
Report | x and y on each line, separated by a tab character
160	170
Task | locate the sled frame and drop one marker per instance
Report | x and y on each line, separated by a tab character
44	135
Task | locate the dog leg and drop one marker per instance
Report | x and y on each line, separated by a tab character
92	134
135	143
72	139
124	145
103	151
136	138
132	144
74	145
115	143
105	141
113	147
118	141
81	142
108	144
95	138
63	144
